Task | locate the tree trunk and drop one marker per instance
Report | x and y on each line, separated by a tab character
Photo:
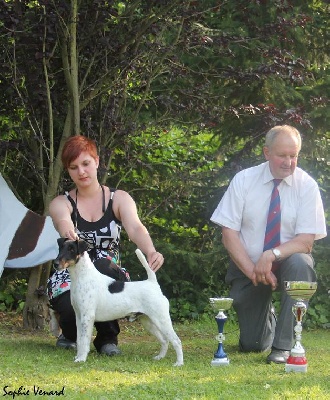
35	312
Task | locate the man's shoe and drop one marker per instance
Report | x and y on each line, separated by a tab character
278	356
110	349
65	343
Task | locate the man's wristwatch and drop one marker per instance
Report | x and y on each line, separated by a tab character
277	254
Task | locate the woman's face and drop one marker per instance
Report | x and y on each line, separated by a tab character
83	170
282	155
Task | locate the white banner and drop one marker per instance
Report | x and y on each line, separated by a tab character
27	239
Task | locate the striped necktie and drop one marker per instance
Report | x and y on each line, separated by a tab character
273	228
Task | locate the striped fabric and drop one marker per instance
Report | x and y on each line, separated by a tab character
273	228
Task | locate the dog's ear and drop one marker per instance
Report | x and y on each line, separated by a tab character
61	241
82	246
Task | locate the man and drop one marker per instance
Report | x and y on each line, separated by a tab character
257	268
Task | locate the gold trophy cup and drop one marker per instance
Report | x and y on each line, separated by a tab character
300	291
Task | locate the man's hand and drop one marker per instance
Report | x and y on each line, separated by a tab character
263	270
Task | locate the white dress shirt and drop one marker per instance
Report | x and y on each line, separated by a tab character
244	207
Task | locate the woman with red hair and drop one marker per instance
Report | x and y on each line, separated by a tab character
95	213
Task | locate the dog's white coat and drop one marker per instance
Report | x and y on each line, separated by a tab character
92	301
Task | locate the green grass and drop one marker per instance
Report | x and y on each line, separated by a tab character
30	359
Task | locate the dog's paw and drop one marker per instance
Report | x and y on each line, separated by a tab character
79	359
158	357
178	364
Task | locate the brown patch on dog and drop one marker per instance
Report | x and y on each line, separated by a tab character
27	235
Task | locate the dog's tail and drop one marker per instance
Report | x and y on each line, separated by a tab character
144	262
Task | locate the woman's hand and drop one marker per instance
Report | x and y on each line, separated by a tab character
155	260
70	234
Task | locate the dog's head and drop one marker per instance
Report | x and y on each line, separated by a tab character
69	252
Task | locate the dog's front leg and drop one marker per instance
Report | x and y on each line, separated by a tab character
84	334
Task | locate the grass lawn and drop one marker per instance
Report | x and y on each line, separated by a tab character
30	361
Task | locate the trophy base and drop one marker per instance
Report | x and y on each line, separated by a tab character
216	362
296	364
295	368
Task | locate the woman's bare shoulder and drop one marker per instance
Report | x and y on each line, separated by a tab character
60	201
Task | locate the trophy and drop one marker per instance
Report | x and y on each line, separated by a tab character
220	305
300	291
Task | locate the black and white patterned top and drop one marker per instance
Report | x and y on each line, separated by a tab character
103	237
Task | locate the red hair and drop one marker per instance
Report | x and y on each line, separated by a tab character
74	146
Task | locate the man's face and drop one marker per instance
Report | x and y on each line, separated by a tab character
282	155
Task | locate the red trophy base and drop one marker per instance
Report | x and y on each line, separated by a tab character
301	291
296	364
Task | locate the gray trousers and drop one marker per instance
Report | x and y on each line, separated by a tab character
259	329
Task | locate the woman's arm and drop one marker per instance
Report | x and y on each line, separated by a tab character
60	211
125	210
